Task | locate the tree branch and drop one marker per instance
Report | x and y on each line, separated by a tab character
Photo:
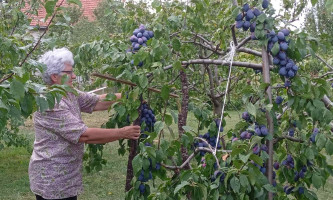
233	32
322	60
288	138
40	38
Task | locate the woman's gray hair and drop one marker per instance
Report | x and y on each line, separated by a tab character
55	62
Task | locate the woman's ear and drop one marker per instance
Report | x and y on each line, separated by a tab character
54	78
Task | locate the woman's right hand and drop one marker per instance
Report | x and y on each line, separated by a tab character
131	132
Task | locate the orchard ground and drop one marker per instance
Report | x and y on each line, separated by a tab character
106	184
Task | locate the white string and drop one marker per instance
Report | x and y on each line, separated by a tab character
229	58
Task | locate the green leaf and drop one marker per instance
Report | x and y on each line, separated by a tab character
145	164
42	104
270	188
158	126
243	180
317	180
313	2
188	129
151	152
176	44
256	159
275	49
180	186
251	109
165	92
320	141
235	184
77	2
2	105
49	7
244	158
143	81
120	109
177	65
309	153
134	115
17	89
168	119
329	147
137	163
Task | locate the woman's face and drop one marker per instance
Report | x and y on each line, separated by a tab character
67	74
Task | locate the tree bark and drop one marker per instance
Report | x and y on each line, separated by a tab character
267	79
133	152
182	116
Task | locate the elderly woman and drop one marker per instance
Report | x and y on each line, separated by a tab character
55	169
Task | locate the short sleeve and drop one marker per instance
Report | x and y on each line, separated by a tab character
62	122
87	102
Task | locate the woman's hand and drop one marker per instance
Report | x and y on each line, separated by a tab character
131	132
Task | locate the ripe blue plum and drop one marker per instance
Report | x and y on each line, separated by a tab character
283	46
289	66
249	15
278	100
286	32
246	7
140	41
276	165
246	25
142	188
275	39
136	31
265	4
144	39
283	62
276	61
283	71
295	68
253	36
256	12
263	130
256	149
291	132
282	55
253	27
280	36
287	83
151	34
133	38
291	73
239	17
239	24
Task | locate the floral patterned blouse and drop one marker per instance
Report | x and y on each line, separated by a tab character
55	169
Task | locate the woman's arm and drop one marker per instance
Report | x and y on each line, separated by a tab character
104	105
102	136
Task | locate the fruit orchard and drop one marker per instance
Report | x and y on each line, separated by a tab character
196	53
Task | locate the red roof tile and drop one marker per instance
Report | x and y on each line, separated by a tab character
88	7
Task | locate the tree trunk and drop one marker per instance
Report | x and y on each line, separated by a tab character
182	116
133	152
133	147
267	79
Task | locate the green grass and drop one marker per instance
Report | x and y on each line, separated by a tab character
109	183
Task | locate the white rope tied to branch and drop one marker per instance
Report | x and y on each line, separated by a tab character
229	58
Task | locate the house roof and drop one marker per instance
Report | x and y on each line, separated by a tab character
88	7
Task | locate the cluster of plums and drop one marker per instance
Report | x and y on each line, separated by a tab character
146	176
279	41
246	19
210	138
139	39
147	117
